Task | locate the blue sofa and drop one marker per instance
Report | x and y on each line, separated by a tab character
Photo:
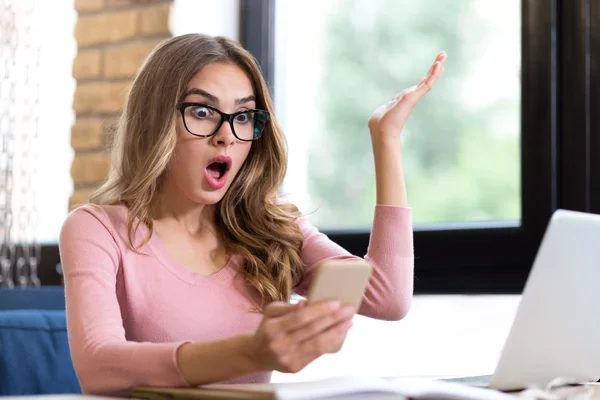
34	350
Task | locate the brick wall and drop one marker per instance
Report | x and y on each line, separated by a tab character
113	36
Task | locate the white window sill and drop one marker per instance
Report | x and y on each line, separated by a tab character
441	336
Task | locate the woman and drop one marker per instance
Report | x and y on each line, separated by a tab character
180	269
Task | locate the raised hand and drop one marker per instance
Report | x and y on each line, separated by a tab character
389	119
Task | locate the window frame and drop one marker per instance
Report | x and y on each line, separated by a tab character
576	164
589	62
594	128
558	38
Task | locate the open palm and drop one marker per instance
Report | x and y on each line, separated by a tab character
389	119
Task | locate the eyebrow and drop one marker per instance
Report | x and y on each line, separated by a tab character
215	99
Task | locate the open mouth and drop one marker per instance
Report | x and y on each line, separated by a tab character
216	171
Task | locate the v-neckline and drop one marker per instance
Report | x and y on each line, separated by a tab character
176	268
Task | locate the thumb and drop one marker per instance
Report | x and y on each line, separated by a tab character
279	308
302	303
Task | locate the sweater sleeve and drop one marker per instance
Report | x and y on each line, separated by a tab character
390	252
104	361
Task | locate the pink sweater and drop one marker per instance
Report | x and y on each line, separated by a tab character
127	313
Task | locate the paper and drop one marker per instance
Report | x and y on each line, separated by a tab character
413	388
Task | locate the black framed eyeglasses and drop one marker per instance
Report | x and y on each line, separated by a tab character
203	120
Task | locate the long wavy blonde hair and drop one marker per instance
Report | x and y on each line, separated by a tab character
250	220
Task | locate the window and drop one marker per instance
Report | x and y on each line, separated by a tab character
491	152
39	117
483	249
36	95
534	138
358	54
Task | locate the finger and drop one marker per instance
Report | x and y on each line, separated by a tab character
343	335
427	83
343	330
306	315
295	361
394	100
339	334
300	356
321	325
434	70
441	56
329	341
302	302
414	93
440	59
278	308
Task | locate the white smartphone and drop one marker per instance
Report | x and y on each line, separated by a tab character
342	280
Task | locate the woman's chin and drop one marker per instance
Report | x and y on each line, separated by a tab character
207	195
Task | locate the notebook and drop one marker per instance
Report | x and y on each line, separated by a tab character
339	387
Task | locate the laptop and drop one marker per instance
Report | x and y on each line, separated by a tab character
556	331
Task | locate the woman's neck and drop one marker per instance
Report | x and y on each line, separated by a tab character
196	219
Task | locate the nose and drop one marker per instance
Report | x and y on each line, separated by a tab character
224	136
